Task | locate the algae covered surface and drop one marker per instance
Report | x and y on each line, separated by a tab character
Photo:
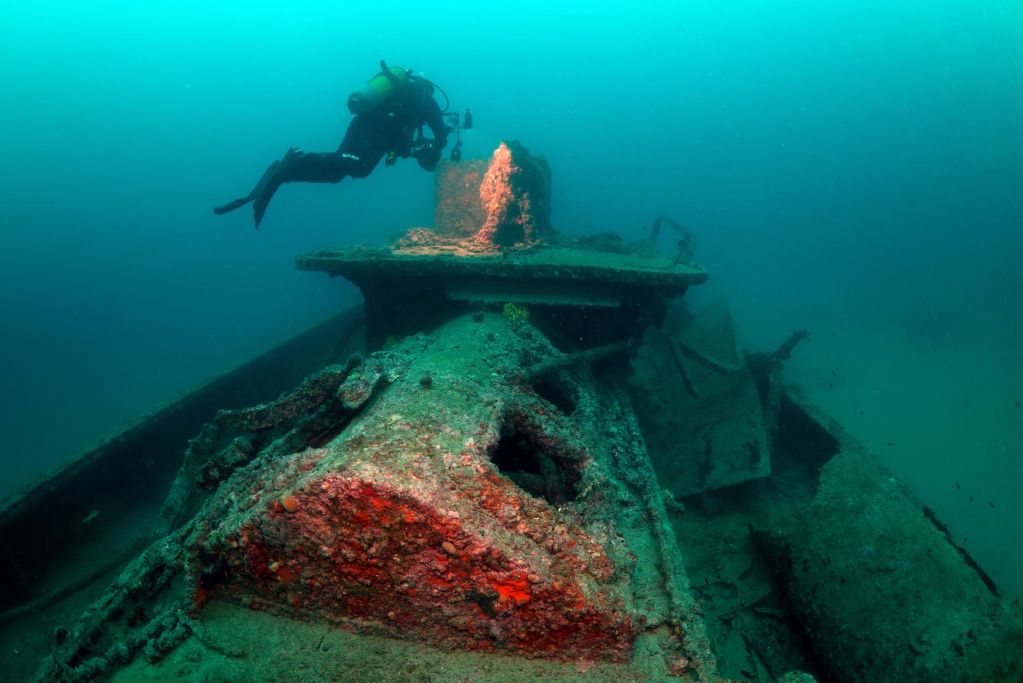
465	504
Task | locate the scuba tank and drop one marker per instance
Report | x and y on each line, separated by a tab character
377	90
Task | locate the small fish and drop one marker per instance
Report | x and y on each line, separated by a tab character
959	487
966	401
971	499
90	517
991	504
891	443
834	374
830	386
1017	405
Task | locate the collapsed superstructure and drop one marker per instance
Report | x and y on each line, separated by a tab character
541	467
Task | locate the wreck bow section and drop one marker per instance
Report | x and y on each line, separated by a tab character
479	485
411	522
475	484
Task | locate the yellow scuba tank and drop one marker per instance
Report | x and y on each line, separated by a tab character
378	89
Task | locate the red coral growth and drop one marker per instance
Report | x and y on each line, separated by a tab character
503	203
496	195
363	550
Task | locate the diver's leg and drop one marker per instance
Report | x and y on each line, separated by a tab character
364	146
361	150
298	166
295	166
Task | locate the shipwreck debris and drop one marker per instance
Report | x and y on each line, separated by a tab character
501	202
706	429
493	245
865	556
403	524
784	351
484	480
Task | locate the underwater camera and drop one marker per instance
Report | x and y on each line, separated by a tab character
458	123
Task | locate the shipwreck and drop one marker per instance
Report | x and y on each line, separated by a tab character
522	458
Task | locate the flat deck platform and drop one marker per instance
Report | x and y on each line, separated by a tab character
593	297
555	264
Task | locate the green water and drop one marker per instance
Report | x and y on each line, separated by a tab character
852	168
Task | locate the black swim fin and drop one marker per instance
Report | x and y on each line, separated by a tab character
267	186
231	206
256	191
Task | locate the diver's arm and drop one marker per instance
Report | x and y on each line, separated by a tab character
428	152
433	118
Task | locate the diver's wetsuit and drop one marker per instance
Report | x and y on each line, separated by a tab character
369	137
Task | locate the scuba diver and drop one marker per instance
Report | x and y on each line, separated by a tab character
390	111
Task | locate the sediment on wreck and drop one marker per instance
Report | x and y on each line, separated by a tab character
408	521
480	485
864	555
803	551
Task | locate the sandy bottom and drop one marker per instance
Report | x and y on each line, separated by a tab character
241	645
